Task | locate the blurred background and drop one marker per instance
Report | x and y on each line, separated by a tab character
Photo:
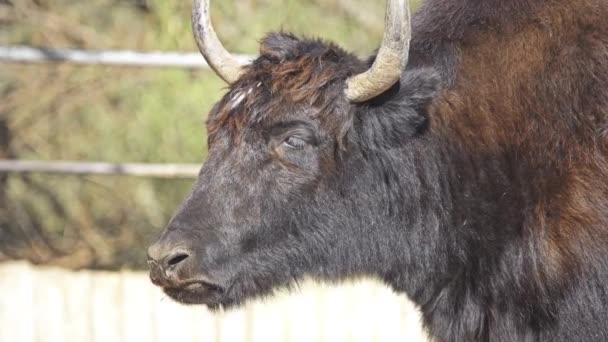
91	232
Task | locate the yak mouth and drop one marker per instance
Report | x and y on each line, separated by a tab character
194	289
196	292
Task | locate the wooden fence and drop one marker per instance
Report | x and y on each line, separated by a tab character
55	305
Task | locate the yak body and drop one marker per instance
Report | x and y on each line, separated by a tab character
522	133
478	185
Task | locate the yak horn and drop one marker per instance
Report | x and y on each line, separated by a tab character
391	59
218	58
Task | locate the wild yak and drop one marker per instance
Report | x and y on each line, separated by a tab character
466	168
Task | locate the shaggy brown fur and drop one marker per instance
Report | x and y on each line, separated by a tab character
290	74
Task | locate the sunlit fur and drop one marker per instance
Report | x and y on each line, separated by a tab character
477	186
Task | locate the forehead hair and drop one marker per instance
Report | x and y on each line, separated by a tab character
290	75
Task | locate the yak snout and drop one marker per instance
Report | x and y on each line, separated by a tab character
180	258
170	263
167	264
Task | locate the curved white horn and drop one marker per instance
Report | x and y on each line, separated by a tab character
391	59
218	58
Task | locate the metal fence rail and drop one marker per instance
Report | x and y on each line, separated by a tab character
99	168
26	54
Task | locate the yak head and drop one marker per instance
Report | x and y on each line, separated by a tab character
298	180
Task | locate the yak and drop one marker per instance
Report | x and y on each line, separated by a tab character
465	165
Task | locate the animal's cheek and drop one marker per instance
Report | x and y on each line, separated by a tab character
248	212
303	172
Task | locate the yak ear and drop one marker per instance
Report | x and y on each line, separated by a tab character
279	45
393	118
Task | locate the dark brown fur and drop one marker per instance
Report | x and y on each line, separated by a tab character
528	83
289	73
538	88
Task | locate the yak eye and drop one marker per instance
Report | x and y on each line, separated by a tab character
294	142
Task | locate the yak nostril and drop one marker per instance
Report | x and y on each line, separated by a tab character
176	258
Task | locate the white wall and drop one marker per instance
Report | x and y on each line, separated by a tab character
52	305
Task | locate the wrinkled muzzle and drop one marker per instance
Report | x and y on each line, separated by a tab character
180	261
198	252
